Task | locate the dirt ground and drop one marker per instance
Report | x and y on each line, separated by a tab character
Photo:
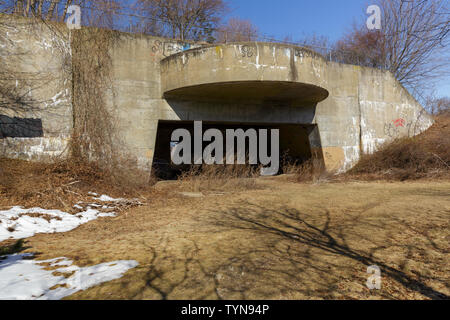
283	240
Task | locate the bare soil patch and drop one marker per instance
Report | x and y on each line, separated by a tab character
282	241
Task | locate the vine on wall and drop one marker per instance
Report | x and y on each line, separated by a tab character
93	122
95	132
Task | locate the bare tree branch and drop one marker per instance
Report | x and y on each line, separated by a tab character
412	43
237	30
183	19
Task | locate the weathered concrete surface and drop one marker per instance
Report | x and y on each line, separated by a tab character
37	61
245	72
136	94
366	108
362	107
354	109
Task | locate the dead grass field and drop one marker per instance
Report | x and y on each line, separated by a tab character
282	240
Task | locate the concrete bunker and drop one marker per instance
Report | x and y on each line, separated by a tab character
244	86
295	142
157	80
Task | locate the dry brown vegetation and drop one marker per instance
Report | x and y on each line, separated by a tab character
65	182
424	156
11	247
282	241
309	171
219	178
59	185
95	134
255	239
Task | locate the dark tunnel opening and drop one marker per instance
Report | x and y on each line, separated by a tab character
295	146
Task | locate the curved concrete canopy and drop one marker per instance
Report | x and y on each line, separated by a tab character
261	92
251	71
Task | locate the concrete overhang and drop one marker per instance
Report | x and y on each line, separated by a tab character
255	92
254	72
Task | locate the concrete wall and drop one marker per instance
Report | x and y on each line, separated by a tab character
136	96
38	62
364	107
355	109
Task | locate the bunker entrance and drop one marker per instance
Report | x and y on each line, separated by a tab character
294	140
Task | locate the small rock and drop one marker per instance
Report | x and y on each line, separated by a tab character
192	194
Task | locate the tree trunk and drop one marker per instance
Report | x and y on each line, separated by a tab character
27	11
33	6
41	3
19	7
51	9
68	3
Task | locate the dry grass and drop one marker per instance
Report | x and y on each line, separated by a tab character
286	241
262	238
310	171
11	247
236	178
61	184
271	239
219	178
424	156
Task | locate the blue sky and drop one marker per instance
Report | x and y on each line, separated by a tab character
297	18
300	18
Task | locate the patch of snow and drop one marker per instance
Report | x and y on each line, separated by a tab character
106	198
94	205
16	223
24	279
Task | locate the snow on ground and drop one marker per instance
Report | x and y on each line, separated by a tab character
18	223
25	279
106	198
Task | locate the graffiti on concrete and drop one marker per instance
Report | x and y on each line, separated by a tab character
168	48
400	123
247	51
301	53
398	127
298	53
404	128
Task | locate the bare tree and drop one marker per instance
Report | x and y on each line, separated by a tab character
19	7
412	44
362	47
184	19
44	9
51	9
318	43
102	13
41	3
66	7
96	13
237	30
438	105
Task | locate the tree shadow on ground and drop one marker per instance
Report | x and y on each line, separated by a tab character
290	224
252	251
